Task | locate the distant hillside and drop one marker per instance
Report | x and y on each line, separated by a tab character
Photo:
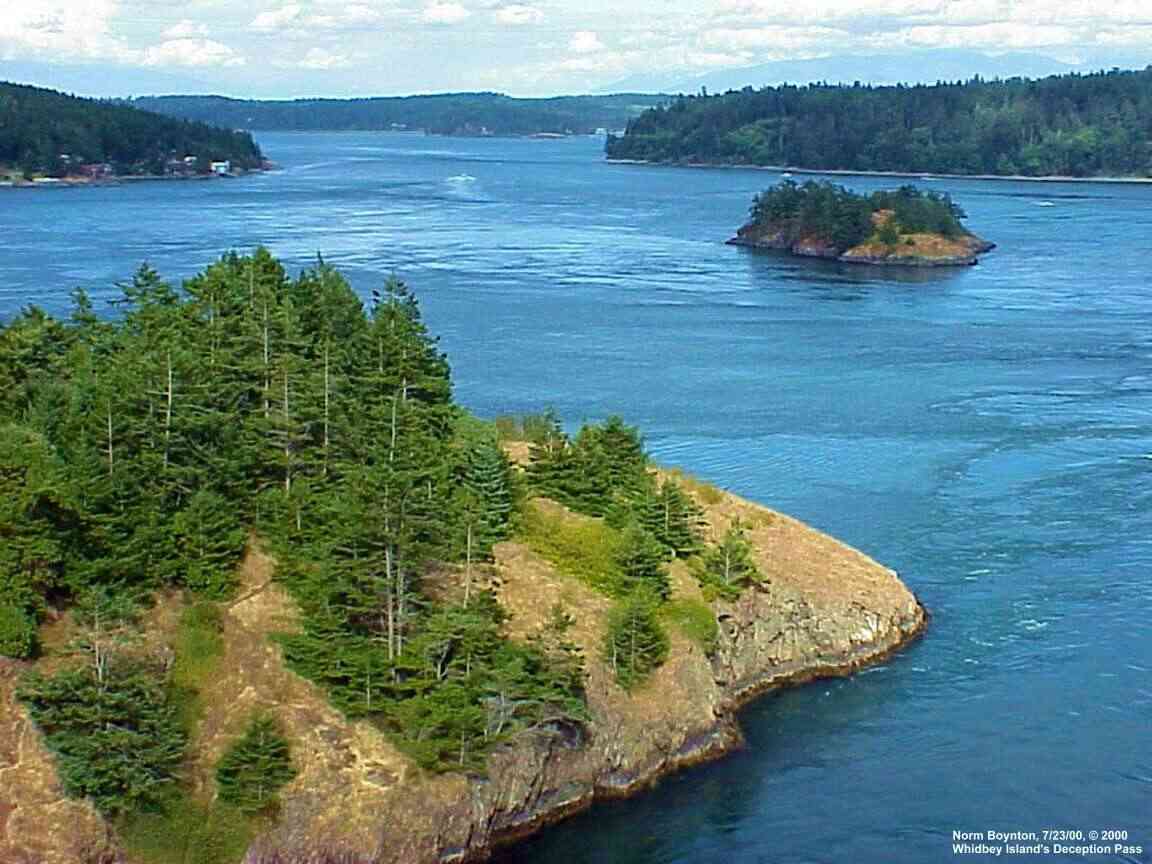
43	132
1069	125
444	114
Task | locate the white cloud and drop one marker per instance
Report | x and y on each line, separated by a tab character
321	60
278	19
585	42
349	16
444	12
518	15
78	29
191	52
186	29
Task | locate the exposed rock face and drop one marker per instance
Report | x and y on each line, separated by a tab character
916	250
825	609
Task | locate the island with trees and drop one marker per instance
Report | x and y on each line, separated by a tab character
49	137
269	594
906	227
468	114
1097	125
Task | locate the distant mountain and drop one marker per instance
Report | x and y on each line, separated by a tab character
47	133
446	114
910	68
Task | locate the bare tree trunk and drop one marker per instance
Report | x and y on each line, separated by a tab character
267	361
170	395
111	455
468	569
391	599
287	438
327	404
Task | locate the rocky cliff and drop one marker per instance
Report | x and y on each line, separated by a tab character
824	609
910	250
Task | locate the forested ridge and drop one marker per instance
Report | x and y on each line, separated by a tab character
1070	125
442	114
44	132
140	454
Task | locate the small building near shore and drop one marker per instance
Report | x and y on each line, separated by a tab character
222	169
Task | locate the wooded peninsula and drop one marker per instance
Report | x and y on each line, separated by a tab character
47	134
268	593
1097	125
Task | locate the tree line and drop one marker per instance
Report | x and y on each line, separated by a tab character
441	114
44	132
1069	125
141	451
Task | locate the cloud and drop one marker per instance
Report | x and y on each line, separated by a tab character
517	15
278	19
191	52
585	42
444	12
78	29
322	61
186	29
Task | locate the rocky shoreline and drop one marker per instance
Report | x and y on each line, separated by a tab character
962	252
823	610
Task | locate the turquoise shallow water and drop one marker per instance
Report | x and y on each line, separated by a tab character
987	432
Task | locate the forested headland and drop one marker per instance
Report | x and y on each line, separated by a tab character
907	225
1070	125
44	133
142	454
439	114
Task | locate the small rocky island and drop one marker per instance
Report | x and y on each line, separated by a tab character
906	227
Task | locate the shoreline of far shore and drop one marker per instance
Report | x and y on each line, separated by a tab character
84	183
914	175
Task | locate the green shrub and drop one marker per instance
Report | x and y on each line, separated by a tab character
583	548
189	832
252	771
198	645
18	636
695	619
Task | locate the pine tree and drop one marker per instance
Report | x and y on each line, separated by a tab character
641	563
254	769
635	644
728	567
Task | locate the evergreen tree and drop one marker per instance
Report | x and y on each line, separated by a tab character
116	738
635	644
728	567
252	770
641	563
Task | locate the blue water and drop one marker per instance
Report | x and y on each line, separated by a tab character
987	432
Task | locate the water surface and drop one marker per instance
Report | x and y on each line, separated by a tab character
987	432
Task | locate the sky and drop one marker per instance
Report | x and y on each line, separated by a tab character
287	48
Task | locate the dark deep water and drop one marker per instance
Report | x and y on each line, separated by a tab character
988	433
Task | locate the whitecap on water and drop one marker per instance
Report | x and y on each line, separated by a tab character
461	178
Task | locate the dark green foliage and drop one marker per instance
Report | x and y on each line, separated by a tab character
113	731
38	127
1077	125
640	560
444	114
592	472
139	454
833	214
457	688
728	567
252	771
668	514
17	632
635	644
